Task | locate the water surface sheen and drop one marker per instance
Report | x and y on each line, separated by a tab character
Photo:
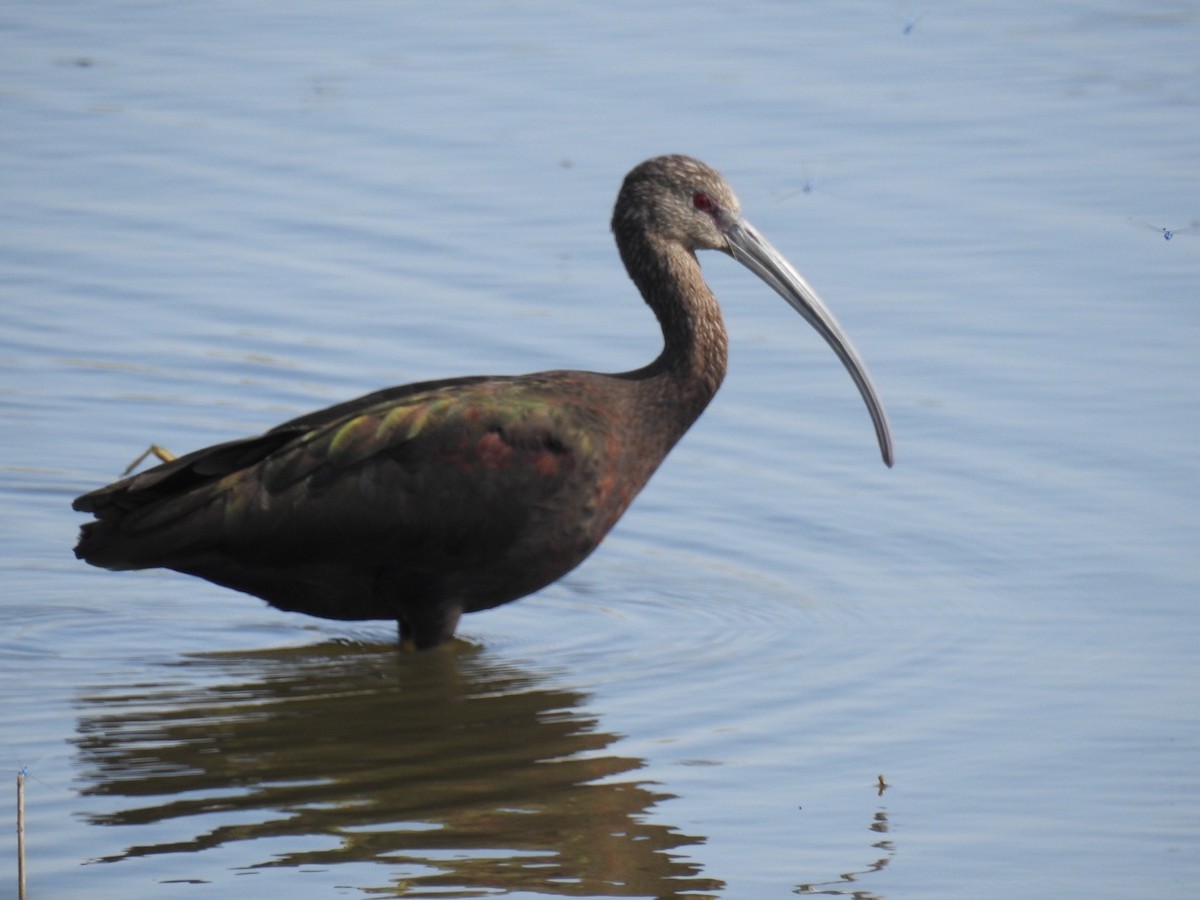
217	217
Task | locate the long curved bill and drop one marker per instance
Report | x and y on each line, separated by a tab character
754	252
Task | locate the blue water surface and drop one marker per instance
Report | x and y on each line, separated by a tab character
217	216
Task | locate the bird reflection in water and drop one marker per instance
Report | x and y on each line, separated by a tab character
454	772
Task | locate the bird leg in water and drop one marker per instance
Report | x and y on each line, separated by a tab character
162	453
424	627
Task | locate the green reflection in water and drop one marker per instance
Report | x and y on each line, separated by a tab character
457	772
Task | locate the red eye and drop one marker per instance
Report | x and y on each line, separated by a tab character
703	202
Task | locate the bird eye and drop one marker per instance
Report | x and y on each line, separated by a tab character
703	202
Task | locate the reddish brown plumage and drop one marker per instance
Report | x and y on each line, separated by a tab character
422	502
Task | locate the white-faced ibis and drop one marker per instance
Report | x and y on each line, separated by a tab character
422	502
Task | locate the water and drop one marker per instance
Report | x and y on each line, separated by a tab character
216	218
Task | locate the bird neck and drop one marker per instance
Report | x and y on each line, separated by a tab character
691	367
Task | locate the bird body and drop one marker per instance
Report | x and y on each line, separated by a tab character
422	502
450	497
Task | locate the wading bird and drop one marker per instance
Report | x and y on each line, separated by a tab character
422	502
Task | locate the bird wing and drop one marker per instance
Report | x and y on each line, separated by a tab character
194	469
453	472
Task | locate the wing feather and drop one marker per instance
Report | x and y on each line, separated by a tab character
438	477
